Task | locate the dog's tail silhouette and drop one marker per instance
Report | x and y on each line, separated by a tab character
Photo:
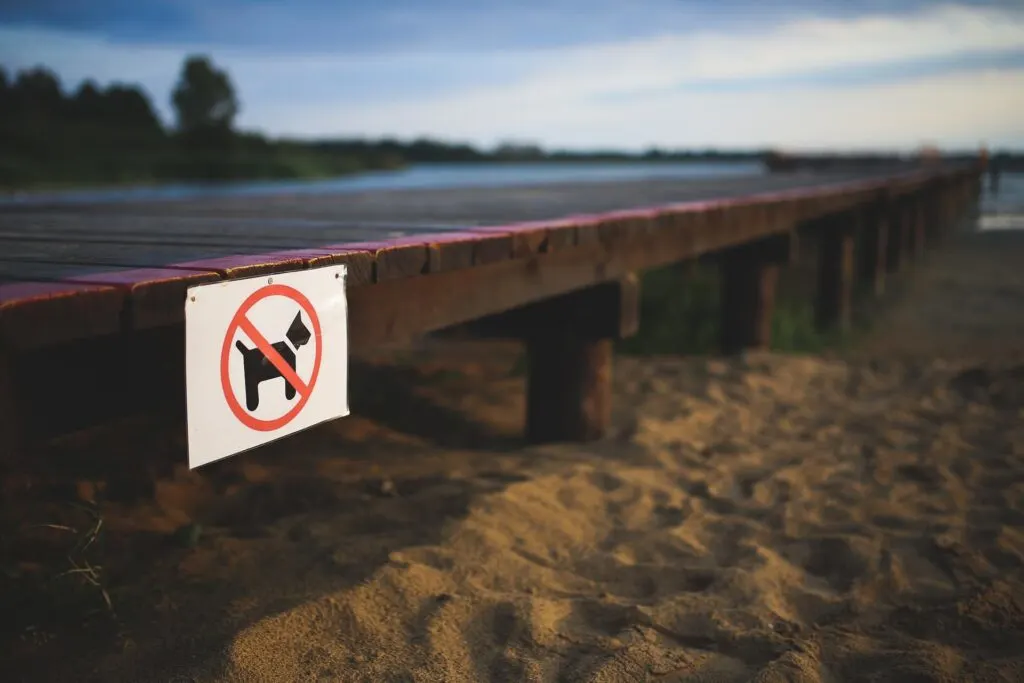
241	347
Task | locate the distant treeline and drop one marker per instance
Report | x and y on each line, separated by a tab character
434	151
101	135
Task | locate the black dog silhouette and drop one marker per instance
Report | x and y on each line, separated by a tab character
258	367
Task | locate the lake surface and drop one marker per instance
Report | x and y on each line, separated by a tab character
1003	210
418	176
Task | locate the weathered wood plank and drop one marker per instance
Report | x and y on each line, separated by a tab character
152	296
536	237
479	206
462	249
360	263
589	314
155	296
41	313
282	232
123	255
228	261
392	260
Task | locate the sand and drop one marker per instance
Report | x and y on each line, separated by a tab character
853	517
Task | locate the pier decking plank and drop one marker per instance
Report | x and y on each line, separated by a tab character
462	206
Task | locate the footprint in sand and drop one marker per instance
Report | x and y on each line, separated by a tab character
840	561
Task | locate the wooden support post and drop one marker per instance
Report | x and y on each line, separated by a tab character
570	344
895	243
965	203
934	225
568	394
9	424
935	212
749	280
874	239
942	210
906	233
921	241
836	269
975	199
140	373
953	206
909	221
949	208
12	436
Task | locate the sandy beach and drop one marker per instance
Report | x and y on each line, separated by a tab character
855	517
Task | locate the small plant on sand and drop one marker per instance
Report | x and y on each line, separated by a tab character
84	538
678	312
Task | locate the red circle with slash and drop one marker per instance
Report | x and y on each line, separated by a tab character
241	323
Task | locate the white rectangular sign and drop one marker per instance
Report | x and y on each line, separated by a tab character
265	357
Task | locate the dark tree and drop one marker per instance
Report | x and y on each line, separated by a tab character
128	106
38	91
87	102
204	98
5	94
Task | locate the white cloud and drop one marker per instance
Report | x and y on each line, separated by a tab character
552	95
800	46
954	110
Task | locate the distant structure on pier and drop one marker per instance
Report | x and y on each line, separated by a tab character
776	161
781	162
929	155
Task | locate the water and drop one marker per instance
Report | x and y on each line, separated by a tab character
418	176
1004	210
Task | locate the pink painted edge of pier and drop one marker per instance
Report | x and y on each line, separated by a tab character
222	265
133	277
18	291
102	303
424	239
218	265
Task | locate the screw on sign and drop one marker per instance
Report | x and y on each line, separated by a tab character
267	361
254	350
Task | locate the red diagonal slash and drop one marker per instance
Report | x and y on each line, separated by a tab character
272	355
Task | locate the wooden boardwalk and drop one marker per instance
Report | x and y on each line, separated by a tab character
553	264
57	242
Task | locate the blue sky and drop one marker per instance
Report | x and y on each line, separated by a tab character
568	73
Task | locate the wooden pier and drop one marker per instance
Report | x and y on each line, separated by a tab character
92	295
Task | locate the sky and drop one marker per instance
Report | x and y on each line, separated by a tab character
624	74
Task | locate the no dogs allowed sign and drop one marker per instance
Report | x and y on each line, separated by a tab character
265	357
